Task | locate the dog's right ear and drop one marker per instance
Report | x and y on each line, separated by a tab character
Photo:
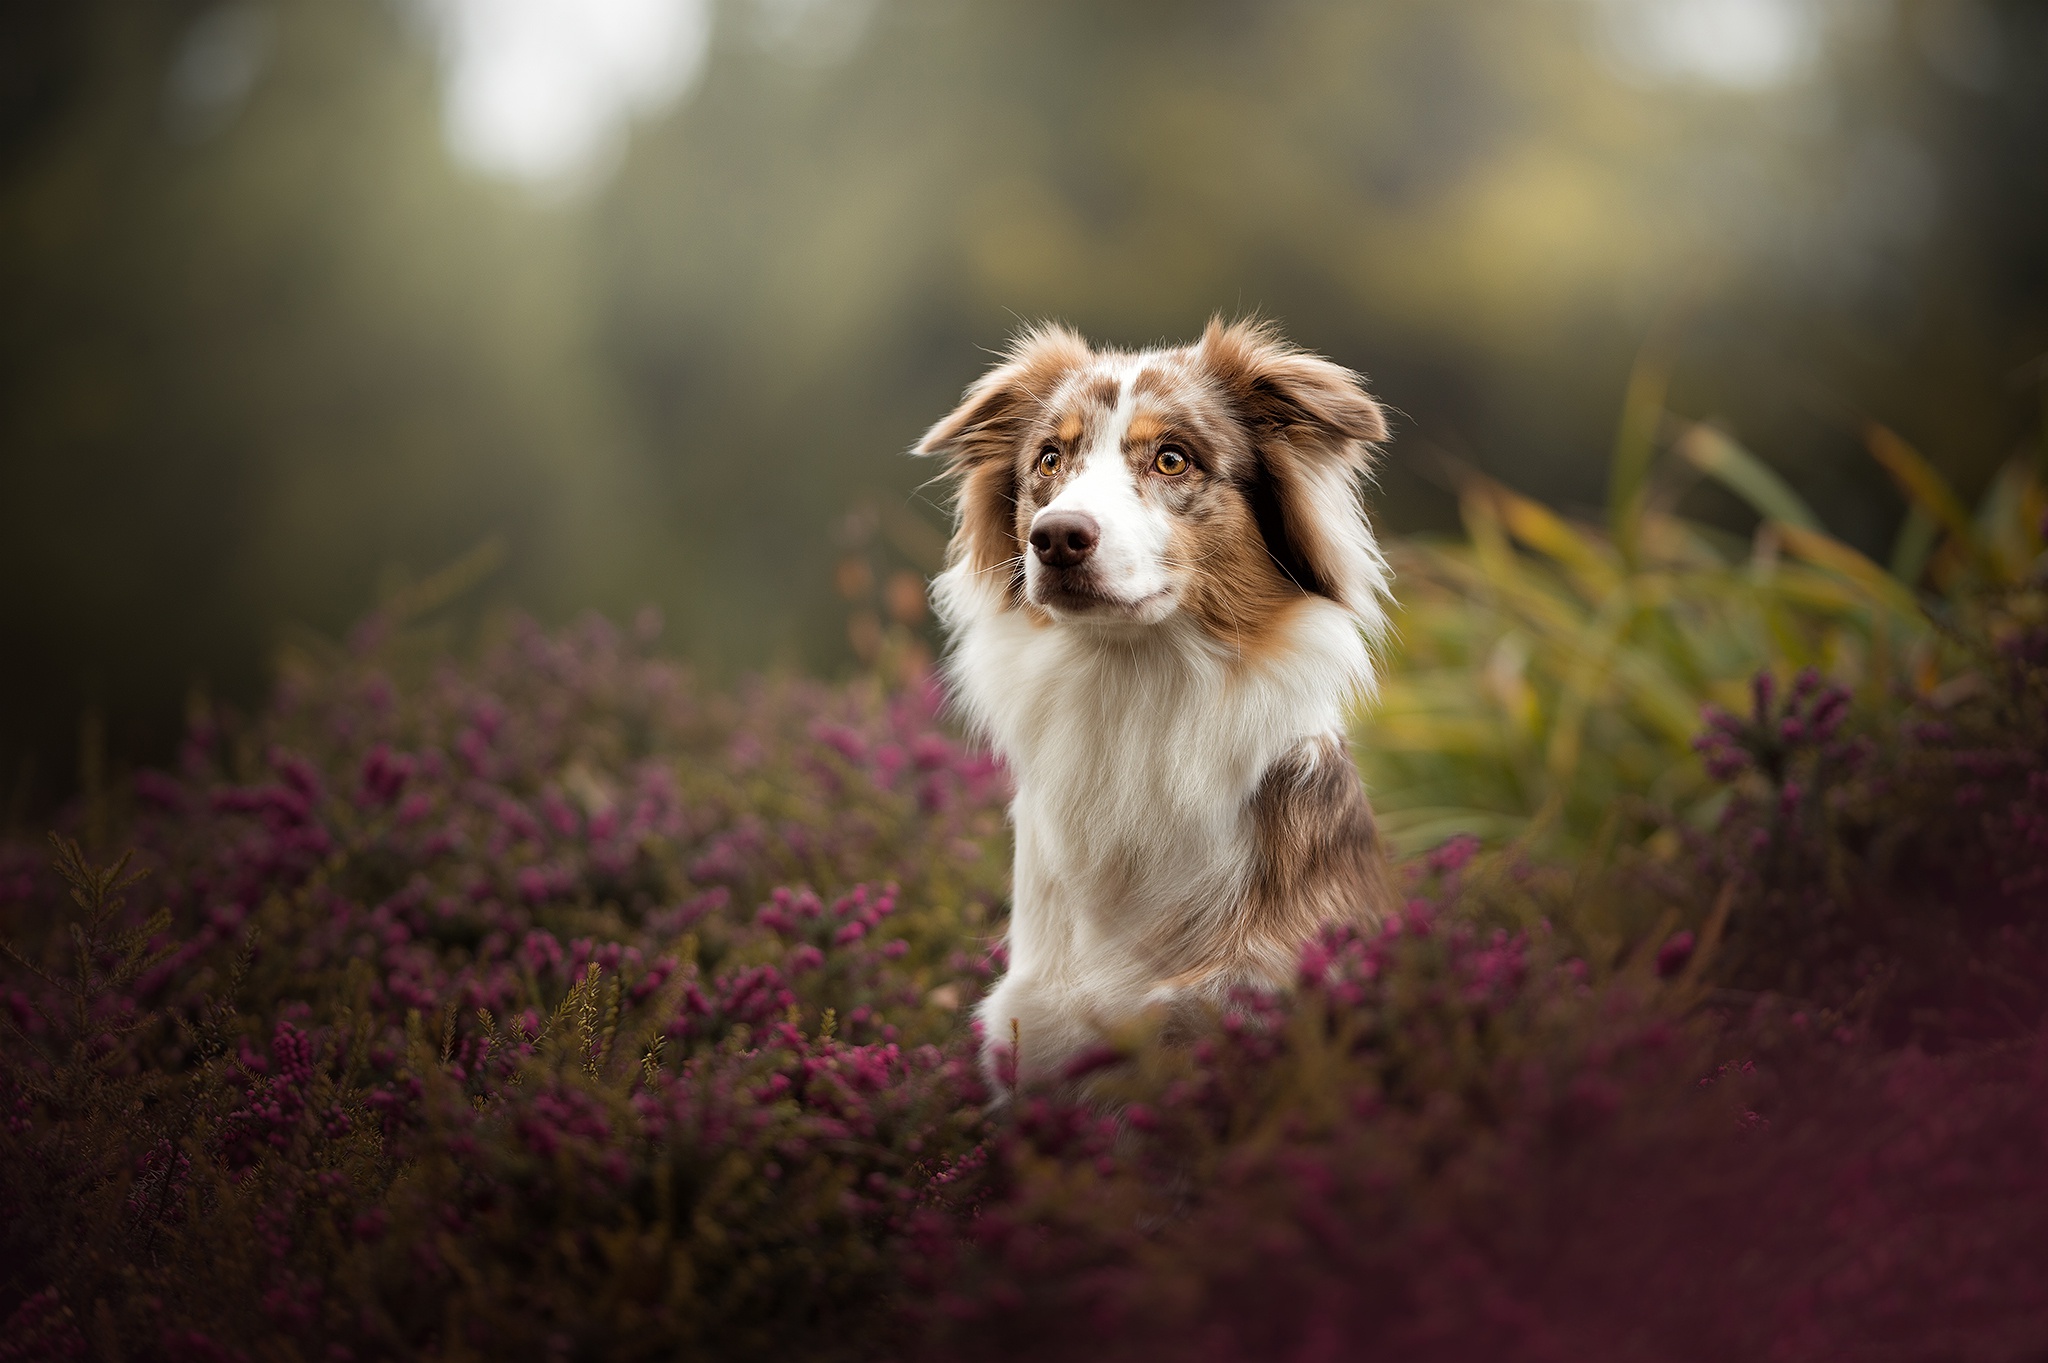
979	441
991	418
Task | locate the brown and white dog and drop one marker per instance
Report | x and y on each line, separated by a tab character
1163	594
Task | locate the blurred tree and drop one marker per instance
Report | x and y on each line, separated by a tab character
262	342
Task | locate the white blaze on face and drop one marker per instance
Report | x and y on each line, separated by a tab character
1130	563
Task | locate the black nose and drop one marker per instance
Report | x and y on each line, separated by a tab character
1064	539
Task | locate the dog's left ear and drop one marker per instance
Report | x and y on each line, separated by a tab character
1313	428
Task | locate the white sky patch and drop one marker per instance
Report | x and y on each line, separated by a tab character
543	91
1742	44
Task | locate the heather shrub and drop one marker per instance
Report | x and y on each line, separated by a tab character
1894	865
541	1002
1618	1183
490	1008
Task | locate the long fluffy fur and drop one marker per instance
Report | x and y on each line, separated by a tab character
1173	709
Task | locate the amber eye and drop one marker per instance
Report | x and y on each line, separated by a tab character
1049	460
1172	461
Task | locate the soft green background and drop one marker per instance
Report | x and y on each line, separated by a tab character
264	365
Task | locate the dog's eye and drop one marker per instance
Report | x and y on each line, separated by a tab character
1049	460
1172	461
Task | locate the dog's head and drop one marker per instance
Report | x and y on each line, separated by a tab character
1216	481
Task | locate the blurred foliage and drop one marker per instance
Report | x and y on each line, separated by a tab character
1551	675
265	353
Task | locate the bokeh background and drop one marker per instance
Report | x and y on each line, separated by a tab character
628	302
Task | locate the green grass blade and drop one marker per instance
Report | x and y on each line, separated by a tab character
1914	545
2010	535
1635	442
1921	484
1715	454
1880	587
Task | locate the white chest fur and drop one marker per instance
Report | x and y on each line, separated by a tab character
1135	752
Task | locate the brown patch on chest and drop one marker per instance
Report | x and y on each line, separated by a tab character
1317	860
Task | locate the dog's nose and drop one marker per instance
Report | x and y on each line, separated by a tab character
1064	539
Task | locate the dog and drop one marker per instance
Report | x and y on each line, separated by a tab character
1162	595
